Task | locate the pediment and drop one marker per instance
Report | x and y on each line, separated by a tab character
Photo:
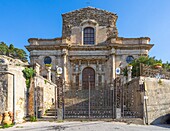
90	9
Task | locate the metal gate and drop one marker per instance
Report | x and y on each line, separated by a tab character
88	103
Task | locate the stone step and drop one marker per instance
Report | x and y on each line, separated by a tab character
51	114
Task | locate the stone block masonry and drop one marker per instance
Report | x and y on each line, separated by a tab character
3	90
41	95
158	102
6	91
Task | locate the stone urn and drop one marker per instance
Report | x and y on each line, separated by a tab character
7	119
11	115
48	66
1	117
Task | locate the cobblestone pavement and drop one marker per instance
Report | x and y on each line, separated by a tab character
85	126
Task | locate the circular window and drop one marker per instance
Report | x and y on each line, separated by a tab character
129	59
47	60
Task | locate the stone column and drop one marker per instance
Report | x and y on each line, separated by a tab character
65	53
37	69
129	68
48	73
80	75
97	75
124	79
113	62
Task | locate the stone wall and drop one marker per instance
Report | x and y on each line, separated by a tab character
41	95
6	90
75	18
158	102
3	90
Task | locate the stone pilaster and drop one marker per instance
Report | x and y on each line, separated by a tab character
97	74
80	75
113	67
48	73
65	62
129	68
37	69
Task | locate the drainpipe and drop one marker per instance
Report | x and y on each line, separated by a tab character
14	110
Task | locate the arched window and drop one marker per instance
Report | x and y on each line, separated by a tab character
129	59
47	60
88	34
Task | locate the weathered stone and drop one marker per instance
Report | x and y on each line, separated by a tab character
70	51
158	100
7	72
41	95
75	18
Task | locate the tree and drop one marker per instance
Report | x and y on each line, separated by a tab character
3	48
20	54
166	66
12	51
151	61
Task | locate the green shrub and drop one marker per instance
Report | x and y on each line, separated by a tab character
48	65
33	119
6	126
28	74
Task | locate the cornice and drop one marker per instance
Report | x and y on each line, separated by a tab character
90	48
41	39
131	46
140	38
91	58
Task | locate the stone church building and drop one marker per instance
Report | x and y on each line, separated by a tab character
90	48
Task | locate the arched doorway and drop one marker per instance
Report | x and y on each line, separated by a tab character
88	71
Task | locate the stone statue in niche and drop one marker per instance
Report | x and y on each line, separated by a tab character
97	67
100	67
77	68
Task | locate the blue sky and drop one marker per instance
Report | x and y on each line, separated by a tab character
24	19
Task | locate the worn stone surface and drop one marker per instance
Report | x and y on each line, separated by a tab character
3	89
75	18
41	95
69	52
158	100
14	67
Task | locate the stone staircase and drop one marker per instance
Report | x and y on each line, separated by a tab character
51	112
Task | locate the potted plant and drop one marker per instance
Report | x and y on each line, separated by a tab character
129	66
158	65
48	66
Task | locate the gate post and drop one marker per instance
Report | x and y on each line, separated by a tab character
117	98
60	109
60	93
113	102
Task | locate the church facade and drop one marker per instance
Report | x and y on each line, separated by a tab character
89	49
